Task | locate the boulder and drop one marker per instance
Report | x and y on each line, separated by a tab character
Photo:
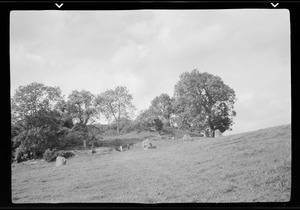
119	148
146	144
218	133
60	161
123	147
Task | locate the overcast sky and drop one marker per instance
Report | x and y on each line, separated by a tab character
147	50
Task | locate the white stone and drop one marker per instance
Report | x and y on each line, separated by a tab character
146	144
60	161
218	133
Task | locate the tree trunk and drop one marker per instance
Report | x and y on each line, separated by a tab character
119	117
213	133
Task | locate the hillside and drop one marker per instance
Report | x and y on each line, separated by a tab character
247	167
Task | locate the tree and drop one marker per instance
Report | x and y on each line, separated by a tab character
38	120
65	112
116	104
202	99
149	120
124	121
162	107
80	106
222	114
32	98
35	133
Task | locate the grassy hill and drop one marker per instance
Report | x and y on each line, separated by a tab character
247	167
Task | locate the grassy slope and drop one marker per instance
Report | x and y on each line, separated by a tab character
247	167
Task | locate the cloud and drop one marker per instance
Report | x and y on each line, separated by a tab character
147	50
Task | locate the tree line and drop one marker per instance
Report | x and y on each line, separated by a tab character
42	118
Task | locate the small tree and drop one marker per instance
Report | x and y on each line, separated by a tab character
116	104
161	106
149	121
80	106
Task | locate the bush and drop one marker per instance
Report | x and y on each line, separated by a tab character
80	127
50	155
21	154
65	154
35	141
130	127
158	124
74	139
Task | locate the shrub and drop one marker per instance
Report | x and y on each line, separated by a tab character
50	155
207	133
129	128
80	127
74	139
22	154
65	154
35	141
158	124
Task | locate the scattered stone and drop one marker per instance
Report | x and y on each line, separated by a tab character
123	147
218	133
146	144
118	148
60	161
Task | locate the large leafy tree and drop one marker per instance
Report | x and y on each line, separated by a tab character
32	98
116	104
202	99
161	106
35	120
80	106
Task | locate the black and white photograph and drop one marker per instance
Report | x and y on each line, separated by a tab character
150	106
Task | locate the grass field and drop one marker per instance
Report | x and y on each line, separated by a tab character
248	167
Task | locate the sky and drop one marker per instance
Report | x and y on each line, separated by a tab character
147	51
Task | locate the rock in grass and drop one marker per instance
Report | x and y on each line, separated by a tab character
218	133
146	144
60	161
123	147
